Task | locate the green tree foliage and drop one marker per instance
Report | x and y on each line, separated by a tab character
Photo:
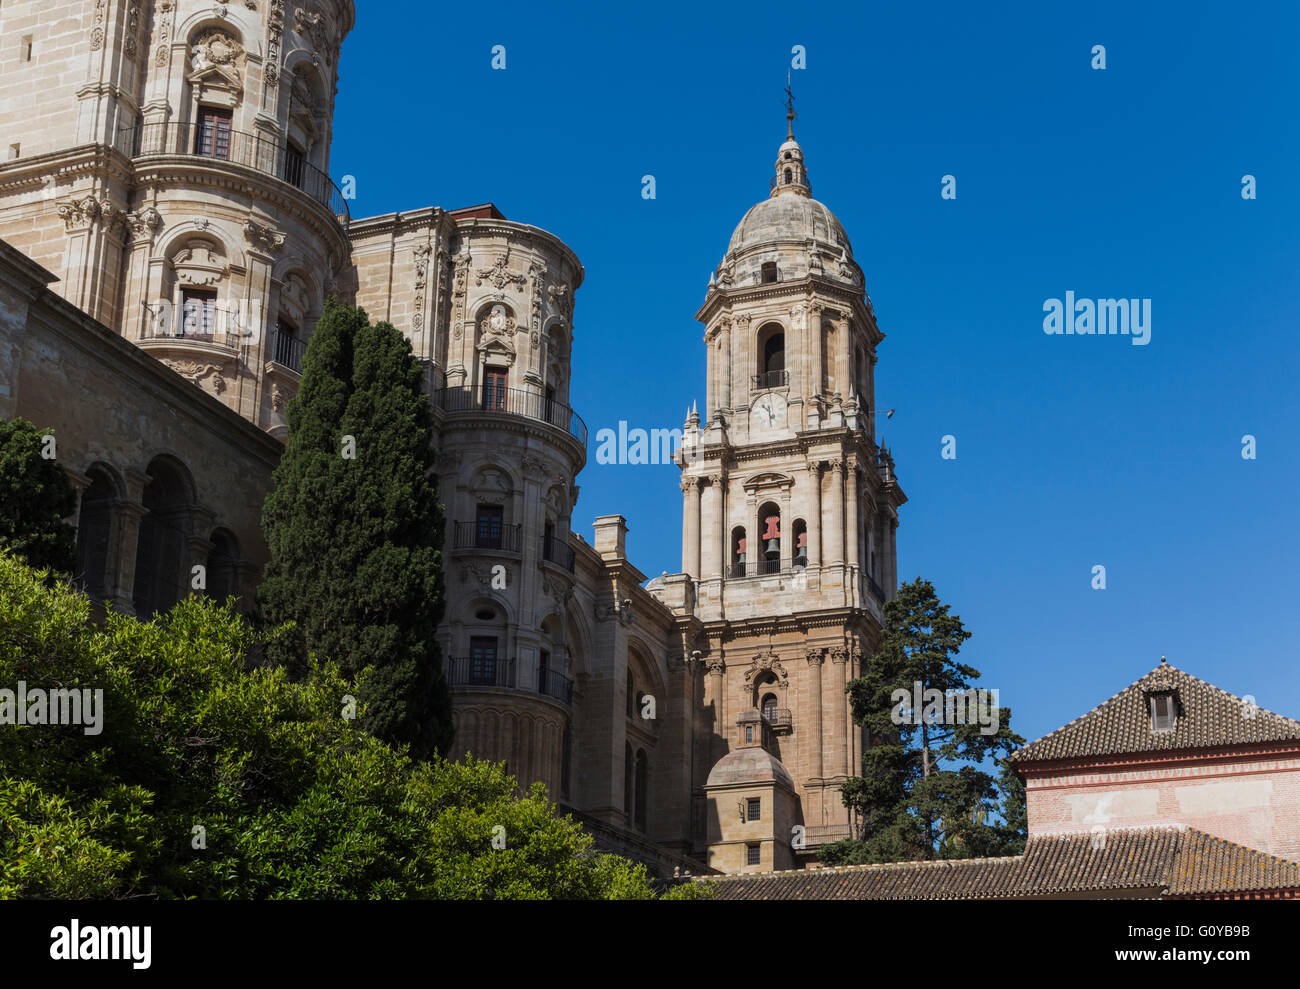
35	497
291	798
355	529
923	793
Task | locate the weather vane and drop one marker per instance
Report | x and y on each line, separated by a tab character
789	107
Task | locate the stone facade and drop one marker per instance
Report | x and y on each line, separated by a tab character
168	177
169	162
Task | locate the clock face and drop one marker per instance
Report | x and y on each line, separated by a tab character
767	414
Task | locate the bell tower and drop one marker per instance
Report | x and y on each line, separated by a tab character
789	504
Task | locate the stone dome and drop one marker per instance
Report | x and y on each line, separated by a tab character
790	229
749	765
792	219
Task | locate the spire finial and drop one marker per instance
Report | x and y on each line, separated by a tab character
789	108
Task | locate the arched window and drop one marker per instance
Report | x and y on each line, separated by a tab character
769	517
800	532
738	546
94	528
788	176
771	357
642	788
221	565
161	575
768	273
769	708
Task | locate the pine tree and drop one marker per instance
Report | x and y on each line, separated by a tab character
355	529
35	497
922	794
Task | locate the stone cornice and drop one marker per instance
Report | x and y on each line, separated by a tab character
183	172
526	235
97	160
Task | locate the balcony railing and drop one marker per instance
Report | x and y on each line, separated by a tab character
262	152
770	379
877	591
779	718
513	401
463	671
197	321
287	350
558	553
555	685
756	568
825	834
473	535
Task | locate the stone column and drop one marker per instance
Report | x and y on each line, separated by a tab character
787	530
835	530
851	532
710	524
724	365
840	755
742	366
715	697
710	372
816	754
691	526
815	338
815	515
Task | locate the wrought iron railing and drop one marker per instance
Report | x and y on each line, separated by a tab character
756	568
513	401
262	152
778	717
877	591
558	553
555	685
474	535
287	350
196	321
770	379
464	671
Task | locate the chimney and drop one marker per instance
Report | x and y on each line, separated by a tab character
611	537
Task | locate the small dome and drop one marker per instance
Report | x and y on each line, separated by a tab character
749	765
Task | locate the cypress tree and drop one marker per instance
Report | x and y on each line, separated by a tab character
355	529
35	497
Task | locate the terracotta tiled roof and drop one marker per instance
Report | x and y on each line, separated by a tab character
1163	861
1207	717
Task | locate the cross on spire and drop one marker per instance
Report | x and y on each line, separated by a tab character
790	115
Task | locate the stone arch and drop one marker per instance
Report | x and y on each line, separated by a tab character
769	350
96	562
223	565
163	545
766	674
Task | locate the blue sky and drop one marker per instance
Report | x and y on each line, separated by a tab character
1071	451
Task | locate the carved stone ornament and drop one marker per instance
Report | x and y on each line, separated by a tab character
263	236
422	252
277	397
498	323
97	32
196	372
498	276
163	33
143	224
216	48
310	23
81	212
766	663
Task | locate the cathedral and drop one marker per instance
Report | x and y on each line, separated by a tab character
170	234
